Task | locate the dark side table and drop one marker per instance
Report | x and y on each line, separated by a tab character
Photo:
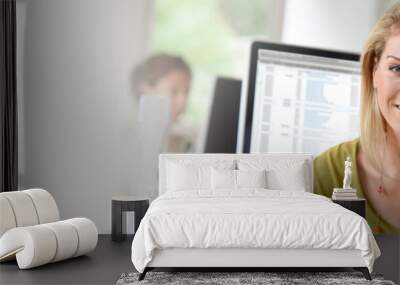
121	204
356	205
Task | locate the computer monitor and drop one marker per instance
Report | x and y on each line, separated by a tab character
298	99
223	119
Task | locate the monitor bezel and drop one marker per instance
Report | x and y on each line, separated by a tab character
252	72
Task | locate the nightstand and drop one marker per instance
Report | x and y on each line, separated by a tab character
356	205
121	204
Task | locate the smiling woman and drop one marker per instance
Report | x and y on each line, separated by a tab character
376	153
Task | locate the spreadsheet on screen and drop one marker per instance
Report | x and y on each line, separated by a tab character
304	103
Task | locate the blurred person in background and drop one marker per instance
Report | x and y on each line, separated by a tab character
168	75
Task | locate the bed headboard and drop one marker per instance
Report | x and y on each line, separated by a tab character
235	158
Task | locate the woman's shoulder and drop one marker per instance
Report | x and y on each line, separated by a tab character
341	151
329	166
331	161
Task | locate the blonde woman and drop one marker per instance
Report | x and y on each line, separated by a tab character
376	153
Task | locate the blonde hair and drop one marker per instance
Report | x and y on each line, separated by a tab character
372	123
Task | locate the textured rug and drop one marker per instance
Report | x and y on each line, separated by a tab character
228	278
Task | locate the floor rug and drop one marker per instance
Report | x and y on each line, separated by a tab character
273	278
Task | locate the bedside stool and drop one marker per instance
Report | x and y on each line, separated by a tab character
356	205
120	204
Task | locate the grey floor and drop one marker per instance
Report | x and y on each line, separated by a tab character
111	259
102	266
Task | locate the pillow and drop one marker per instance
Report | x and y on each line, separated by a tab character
236	179
223	179
292	178
282	174
182	177
192	173
251	178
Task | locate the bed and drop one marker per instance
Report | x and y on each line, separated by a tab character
245	211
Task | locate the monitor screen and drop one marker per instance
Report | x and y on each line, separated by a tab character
300	99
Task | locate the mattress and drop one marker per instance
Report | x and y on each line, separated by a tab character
250	219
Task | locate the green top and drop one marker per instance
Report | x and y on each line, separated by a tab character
329	174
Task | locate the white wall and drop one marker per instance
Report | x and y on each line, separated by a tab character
79	128
339	24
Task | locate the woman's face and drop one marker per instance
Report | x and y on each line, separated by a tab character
175	84
387	83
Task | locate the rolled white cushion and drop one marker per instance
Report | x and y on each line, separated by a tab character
7	219
87	233
37	245
45	205
23	208
67	240
33	246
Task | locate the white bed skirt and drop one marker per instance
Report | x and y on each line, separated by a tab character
193	257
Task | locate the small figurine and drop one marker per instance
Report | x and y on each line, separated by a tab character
345	193
347	174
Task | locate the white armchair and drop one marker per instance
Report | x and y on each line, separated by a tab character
31	230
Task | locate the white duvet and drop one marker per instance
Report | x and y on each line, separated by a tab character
251	218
